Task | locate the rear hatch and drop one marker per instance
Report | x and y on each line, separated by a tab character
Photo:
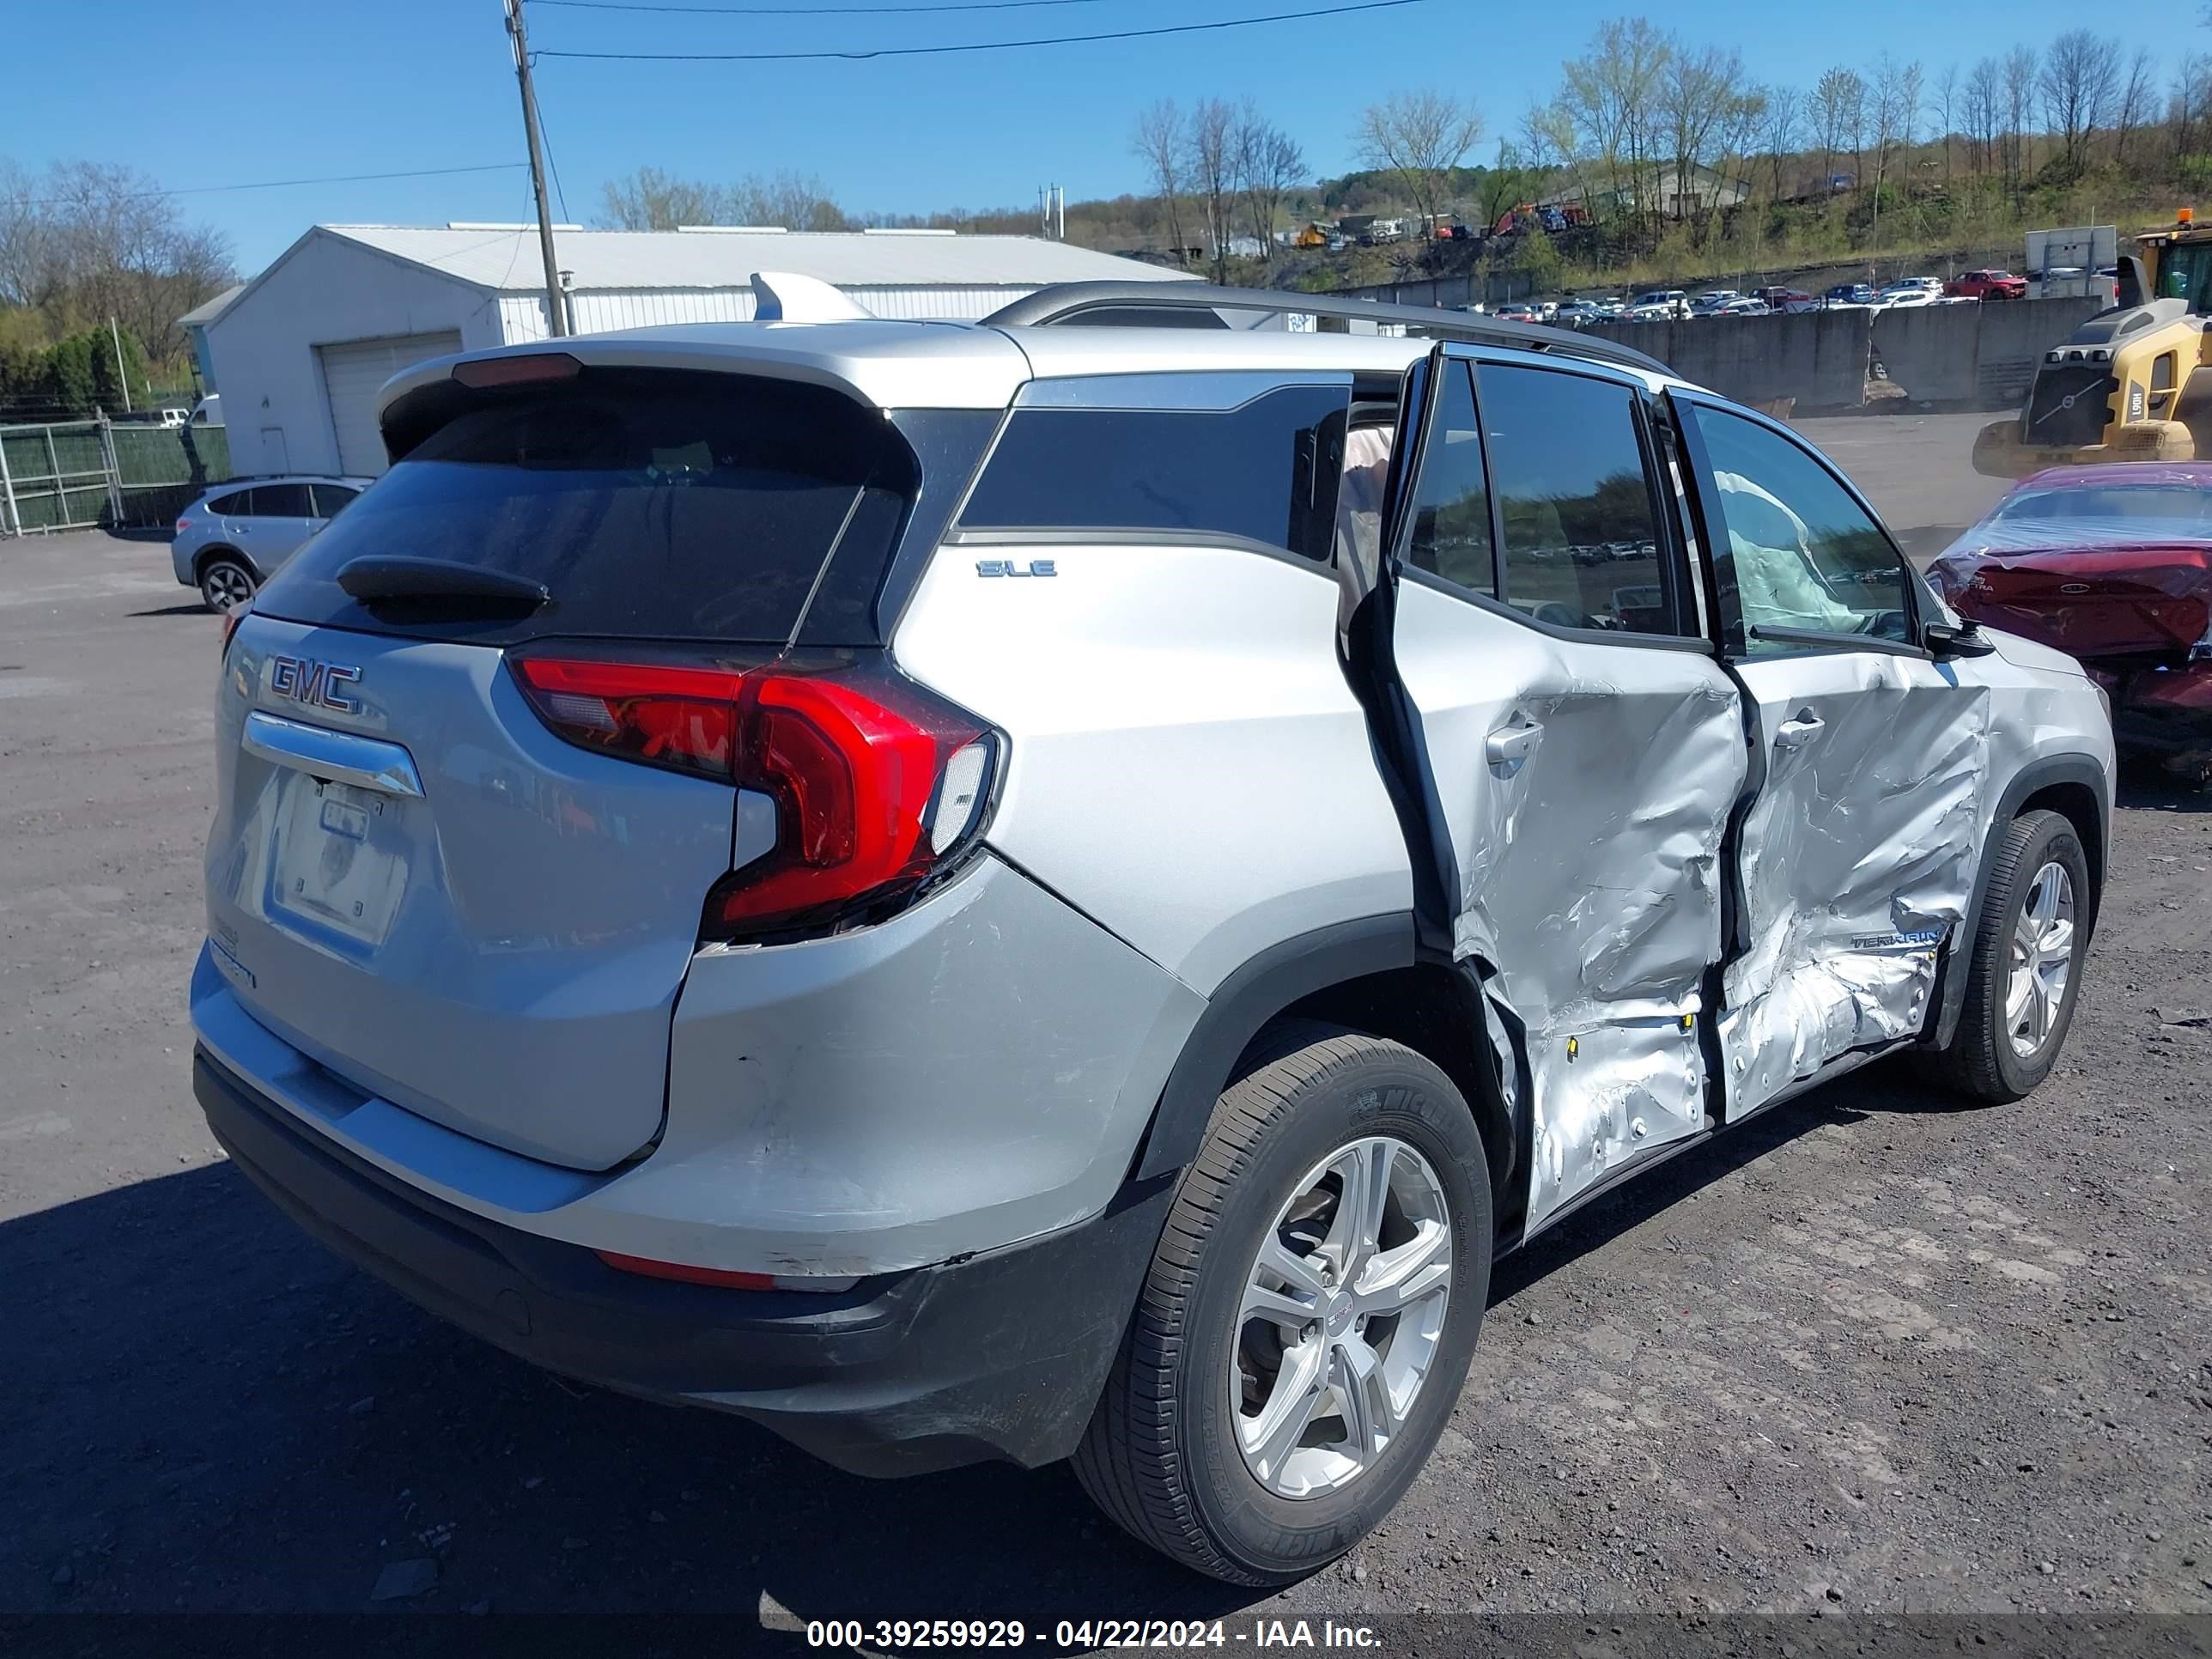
411	876
2110	602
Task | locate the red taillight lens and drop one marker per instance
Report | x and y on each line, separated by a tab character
876	782
681	717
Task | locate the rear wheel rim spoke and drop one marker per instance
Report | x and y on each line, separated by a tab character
1341	1317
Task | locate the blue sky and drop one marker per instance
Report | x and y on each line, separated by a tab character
199	93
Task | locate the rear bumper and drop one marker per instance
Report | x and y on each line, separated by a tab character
1001	1356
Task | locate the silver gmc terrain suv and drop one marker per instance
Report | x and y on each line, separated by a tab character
1034	890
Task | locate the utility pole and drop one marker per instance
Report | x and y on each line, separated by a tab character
122	375
556	302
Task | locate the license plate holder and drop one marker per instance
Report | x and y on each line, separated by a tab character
339	866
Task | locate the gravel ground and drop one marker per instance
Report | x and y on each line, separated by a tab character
1874	1352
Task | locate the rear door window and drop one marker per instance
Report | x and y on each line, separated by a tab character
281	500
1264	471
330	499
652	504
1582	545
237	504
1450	534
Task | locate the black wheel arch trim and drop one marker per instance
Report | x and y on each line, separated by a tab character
2032	779
1244	1003
218	551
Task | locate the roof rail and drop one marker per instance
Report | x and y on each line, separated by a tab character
1187	305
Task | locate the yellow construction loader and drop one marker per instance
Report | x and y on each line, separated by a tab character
2126	385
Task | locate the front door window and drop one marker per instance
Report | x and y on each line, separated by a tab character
1803	557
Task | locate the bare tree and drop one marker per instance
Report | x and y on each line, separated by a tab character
649	199
1270	163
2019	71
1549	143
797	201
24	258
86	241
1161	140
2132	107
2080	80
1609	97
1701	94
1420	137
2186	108
1210	163
1785	131
1839	108
1896	95
1984	112
1947	103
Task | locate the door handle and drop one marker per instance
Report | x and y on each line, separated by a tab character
1509	747
1799	730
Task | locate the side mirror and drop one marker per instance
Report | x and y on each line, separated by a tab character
1967	640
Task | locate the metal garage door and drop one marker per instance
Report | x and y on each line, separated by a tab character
352	375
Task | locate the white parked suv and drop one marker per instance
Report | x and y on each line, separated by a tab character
1032	891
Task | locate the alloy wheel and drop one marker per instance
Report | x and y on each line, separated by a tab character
2042	960
1342	1310
225	586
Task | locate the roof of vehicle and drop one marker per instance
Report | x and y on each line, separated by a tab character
247	480
485	255
951	365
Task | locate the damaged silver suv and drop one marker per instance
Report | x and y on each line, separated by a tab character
1034	892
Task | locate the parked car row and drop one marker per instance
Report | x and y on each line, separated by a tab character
1659	305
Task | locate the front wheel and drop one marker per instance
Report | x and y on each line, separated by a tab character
225	584
2023	964
1309	1317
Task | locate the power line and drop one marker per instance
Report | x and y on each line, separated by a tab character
811	11
552	162
285	184
980	45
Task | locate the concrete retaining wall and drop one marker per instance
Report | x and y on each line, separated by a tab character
1818	358
2011	341
1978	356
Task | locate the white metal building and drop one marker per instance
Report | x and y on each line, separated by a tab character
303	348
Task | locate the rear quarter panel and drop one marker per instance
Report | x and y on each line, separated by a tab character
1187	765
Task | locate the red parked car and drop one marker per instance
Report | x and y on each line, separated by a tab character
2112	565
1987	285
1782	299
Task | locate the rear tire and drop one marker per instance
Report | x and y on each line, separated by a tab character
2021	984
226	584
1226	1437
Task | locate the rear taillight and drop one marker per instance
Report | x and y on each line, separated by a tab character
182	524
878	785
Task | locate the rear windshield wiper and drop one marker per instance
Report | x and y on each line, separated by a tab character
376	578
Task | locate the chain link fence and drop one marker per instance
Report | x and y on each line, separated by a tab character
74	475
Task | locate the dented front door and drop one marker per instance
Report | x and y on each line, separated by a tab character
1856	857
1585	750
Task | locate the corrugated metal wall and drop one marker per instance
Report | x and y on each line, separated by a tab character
599	310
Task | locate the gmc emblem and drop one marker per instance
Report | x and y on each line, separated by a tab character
314	683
